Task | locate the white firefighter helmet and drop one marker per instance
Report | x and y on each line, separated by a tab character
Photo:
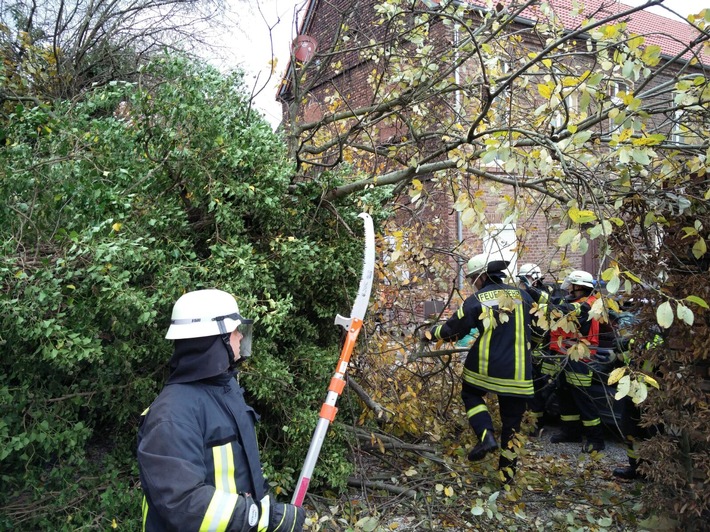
485	263
578	277
205	313
532	271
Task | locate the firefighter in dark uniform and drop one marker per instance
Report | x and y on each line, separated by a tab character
571	325
197	450
631	427
499	360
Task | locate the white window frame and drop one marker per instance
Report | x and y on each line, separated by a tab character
615	87
678	136
502	239
572	105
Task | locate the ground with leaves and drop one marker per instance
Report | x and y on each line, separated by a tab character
557	488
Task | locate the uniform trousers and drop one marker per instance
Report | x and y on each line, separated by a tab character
576	403
512	409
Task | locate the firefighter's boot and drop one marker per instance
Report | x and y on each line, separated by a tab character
486	445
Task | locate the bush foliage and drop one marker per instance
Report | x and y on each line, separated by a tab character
116	203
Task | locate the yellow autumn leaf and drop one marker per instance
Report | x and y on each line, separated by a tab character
544	90
449	491
632	276
610	273
117	226
581	216
615	375
468	217
650	380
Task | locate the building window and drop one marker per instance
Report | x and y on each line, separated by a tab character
617	91
565	109
616	88
501	240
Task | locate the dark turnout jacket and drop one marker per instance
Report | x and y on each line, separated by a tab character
197	449
499	361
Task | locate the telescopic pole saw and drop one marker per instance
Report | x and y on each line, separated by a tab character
352	325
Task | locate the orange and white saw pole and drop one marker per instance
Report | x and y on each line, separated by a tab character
352	325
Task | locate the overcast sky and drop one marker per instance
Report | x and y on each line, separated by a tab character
262	20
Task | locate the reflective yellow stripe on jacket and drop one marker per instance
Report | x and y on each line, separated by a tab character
144	511
519	343
497	385
484	346
221	507
583	380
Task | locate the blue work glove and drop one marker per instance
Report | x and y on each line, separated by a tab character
280	517
468	340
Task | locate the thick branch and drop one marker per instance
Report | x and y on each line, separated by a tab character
362	483
381	413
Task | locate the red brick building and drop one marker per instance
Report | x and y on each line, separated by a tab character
342	70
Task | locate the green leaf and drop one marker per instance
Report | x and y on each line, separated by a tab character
685	314
641	157
699	248
595	79
613	285
367	524
605	521
566	237
622	388
627	69
664	314
581	137
698	301
489	157
638	392
580	244
596	231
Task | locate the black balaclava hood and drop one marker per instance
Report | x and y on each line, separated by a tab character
196	359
